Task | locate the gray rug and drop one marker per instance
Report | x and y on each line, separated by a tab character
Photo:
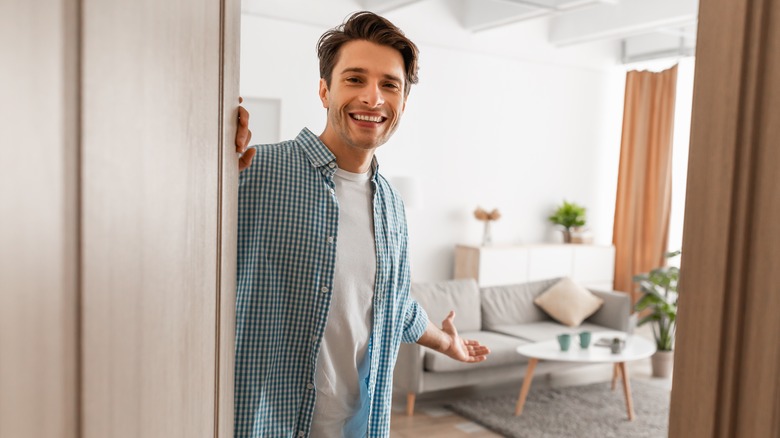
577	411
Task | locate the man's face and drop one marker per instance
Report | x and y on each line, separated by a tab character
366	98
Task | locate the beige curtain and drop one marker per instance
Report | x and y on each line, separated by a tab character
645	176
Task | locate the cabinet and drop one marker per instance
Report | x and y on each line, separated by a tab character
589	265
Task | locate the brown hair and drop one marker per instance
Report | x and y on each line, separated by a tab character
369	27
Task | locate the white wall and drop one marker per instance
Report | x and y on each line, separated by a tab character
479	129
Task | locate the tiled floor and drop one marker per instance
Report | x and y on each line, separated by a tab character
431	420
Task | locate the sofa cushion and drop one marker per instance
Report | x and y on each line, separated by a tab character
440	297
513	304
545	330
502	352
568	303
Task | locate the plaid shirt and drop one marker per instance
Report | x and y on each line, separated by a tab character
287	223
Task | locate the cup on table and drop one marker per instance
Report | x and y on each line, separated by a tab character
585	339
564	341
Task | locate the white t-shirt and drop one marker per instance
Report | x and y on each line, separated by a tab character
341	407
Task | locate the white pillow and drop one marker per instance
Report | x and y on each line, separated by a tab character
568	303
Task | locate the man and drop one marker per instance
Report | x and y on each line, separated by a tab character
323	271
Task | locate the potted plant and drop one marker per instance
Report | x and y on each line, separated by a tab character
568	215
659	301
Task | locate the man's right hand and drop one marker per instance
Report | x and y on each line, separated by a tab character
243	135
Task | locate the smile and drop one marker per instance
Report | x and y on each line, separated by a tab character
364	118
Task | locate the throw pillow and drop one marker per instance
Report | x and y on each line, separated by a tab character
568	303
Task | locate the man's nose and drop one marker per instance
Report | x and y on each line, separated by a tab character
372	95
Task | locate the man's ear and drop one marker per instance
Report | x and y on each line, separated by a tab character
324	93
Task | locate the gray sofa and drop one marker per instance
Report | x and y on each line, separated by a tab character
501	317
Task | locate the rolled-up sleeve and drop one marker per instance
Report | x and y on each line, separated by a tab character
415	322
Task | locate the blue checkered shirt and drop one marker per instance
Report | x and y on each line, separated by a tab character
287	225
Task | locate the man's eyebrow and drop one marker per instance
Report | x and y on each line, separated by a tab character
364	71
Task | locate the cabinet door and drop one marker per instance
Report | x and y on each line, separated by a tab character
551	261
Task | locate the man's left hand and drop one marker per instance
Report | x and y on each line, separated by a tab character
464	350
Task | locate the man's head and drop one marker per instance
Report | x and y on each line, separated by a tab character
367	26
366	66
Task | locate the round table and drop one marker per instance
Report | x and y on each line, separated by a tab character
635	348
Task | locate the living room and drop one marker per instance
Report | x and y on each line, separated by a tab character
119	187
517	127
502	118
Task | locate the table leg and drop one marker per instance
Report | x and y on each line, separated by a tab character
615	374
529	375
627	391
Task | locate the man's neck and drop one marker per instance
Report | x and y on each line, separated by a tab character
349	158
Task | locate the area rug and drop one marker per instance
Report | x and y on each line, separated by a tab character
577	411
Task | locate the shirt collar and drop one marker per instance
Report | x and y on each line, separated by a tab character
319	154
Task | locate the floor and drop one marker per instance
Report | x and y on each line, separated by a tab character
432	420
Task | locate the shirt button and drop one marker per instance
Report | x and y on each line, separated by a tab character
309	386
331	164
301	434
330	239
332	192
324	290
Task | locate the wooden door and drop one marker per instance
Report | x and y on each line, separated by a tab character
727	359
118	184
158	187
38	219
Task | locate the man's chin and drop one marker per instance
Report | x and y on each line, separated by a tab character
368	144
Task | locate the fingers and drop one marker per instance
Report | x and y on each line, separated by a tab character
449	319
240	99
246	159
475	348
243	135
243	116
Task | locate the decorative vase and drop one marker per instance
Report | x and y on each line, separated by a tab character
566	235
487	236
663	362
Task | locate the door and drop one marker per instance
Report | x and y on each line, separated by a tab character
727	353
119	213
38	219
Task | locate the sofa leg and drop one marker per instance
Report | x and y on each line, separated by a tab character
410	396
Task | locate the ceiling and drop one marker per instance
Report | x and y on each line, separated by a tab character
630	30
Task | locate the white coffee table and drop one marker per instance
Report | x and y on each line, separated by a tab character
635	348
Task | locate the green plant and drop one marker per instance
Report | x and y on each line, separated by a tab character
568	215
659	287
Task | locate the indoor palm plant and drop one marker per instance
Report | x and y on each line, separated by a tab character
659	305
568	215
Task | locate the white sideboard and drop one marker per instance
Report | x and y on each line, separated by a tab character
592	266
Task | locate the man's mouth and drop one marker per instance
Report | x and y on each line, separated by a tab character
366	118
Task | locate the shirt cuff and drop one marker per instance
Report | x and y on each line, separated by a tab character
416	323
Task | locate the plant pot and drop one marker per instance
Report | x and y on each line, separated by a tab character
662	363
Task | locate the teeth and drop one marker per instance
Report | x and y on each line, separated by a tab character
375	119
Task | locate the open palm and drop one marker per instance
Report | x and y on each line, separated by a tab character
464	350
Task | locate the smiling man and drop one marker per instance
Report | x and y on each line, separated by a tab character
323	269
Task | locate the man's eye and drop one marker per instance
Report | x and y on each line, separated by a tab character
392	85
353	80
